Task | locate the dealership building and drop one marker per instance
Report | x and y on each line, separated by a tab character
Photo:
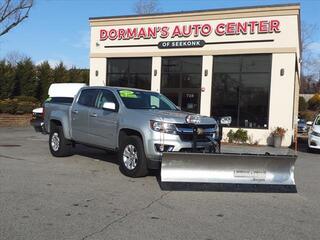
239	62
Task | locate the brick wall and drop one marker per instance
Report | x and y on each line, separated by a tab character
10	120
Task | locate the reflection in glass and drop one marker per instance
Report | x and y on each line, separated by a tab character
241	89
181	81
190	102
129	72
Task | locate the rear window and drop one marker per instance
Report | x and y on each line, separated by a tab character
60	100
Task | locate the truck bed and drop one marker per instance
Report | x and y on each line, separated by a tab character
59	111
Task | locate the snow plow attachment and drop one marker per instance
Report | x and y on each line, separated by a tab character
258	169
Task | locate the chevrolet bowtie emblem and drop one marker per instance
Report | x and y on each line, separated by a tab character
200	131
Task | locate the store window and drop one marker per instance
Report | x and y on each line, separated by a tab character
129	72
241	89
181	81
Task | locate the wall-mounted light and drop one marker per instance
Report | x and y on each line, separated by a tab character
281	71
206	72
155	72
97	73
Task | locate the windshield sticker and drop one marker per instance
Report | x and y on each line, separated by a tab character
127	94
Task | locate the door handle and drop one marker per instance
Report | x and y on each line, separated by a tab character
93	115
75	111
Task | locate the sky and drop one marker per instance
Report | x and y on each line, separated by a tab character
58	30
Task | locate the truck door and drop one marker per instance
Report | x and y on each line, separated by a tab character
103	124
80	114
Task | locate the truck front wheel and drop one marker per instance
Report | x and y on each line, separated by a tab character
59	146
132	159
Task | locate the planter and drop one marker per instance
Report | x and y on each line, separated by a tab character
277	141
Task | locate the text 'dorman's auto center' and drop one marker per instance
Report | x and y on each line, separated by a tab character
239	62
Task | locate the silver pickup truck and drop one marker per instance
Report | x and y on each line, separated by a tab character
140	125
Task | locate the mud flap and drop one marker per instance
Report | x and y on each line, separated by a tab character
228	168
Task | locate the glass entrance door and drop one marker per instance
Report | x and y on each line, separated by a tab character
181	81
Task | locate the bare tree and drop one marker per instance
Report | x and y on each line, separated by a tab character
310	60
14	57
146	7
13	12
308	31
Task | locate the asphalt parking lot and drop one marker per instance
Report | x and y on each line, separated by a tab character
86	197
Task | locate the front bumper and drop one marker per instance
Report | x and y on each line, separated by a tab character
313	141
172	140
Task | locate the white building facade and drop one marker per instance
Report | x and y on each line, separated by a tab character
242	62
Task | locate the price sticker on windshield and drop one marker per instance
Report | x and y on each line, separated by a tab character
127	94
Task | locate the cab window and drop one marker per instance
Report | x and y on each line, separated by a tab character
88	97
105	96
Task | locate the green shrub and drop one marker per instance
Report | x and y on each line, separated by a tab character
314	102
25	107
8	106
239	136
14	106
26	99
230	135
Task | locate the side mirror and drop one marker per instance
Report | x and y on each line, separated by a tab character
226	120
109	106
309	123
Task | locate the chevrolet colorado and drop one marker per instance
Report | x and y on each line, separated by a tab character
139	124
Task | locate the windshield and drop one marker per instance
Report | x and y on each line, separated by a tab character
317	122
135	99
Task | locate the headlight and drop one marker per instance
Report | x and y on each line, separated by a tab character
315	133
163	127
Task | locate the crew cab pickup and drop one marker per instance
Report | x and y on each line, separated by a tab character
140	125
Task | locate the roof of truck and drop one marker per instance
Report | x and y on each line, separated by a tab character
115	88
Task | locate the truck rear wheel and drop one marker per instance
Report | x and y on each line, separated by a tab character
132	159
58	144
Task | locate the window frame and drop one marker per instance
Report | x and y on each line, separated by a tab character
128	73
180	90
101	91
94	101
240	73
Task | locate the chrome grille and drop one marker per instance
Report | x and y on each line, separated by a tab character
185	131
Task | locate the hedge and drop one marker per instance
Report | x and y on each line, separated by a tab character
18	105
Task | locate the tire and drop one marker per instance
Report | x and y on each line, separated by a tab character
131	156
59	146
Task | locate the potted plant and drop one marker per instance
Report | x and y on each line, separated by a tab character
278	134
